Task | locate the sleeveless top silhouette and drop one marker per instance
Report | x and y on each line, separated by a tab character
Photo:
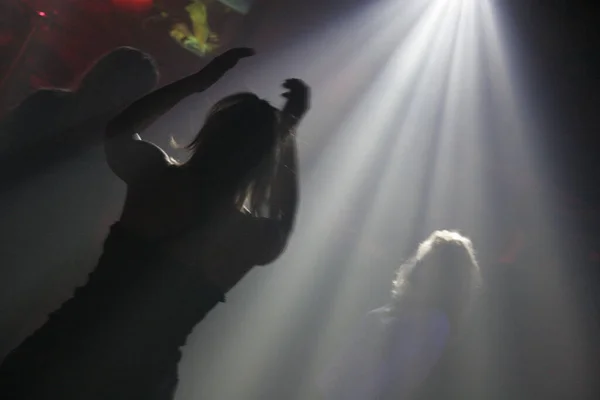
119	337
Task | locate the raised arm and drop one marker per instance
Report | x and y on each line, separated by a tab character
285	188
284	200
130	157
297	95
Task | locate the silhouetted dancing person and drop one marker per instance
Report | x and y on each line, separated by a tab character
51	125
114	81
188	233
392	354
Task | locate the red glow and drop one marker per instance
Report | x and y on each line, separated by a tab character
41	13
133	5
5	38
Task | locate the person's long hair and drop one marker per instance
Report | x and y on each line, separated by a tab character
237	149
443	274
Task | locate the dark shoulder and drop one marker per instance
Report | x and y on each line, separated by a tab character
38	110
47	96
45	103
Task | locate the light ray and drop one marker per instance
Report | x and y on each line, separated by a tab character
394	147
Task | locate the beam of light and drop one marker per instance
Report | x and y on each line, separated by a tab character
407	97
391	121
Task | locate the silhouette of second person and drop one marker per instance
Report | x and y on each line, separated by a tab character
188	233
395	351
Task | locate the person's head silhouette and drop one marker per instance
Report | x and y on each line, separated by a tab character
442	275
116	80
238	143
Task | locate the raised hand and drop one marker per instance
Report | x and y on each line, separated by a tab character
298	97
